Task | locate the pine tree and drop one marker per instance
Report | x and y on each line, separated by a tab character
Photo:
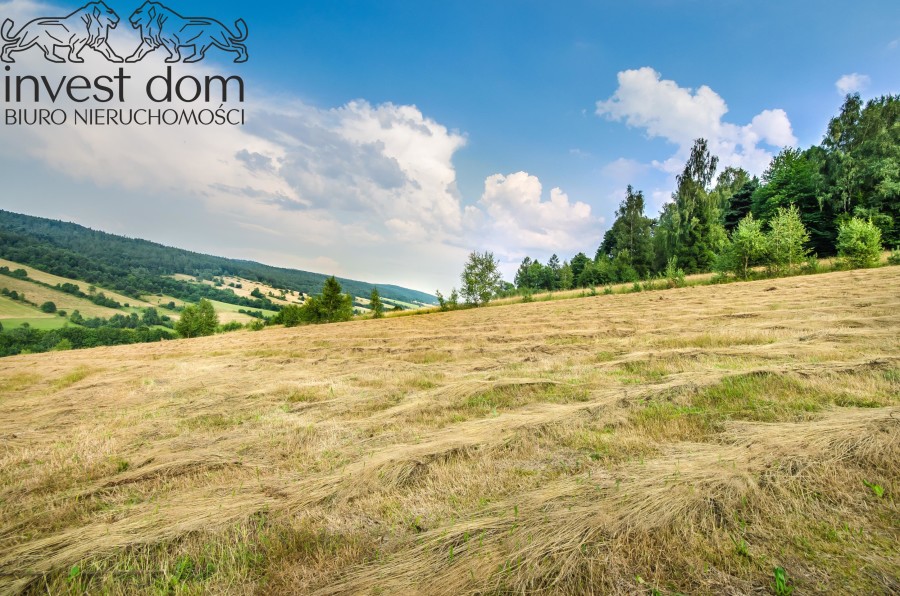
376	305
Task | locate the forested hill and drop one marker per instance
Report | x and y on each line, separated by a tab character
134	267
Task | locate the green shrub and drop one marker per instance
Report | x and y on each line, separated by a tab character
786	241
48	307
746	247
197	320
859	243
62	346
674	275
894	258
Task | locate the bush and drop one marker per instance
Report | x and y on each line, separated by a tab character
228	327
257	325
786	240
674	274
894	258
48	307
747	246
859	243
289	316
62	346
198	320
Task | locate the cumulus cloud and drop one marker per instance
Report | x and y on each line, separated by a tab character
852	83
680	115
385	161
520	220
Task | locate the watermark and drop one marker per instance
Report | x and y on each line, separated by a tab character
65	40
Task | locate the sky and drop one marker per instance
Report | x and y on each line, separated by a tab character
387	139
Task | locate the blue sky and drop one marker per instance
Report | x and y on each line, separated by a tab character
419	131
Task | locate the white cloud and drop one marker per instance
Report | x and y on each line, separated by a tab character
519	220
893	45
680	115
387	162
852	83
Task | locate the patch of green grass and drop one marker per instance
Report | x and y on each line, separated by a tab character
424	381
666	421
606	445
515	395
10	309
213	421
69	379
225	307
643	371
758	397
41	323
892	376
307	394
234	560
762	397
711	340
605	356
17	382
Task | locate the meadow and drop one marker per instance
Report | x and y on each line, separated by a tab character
733	439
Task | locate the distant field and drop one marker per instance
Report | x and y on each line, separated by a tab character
44	323
246	288
158	300
55	279
229	312
683	441
12	309
40	294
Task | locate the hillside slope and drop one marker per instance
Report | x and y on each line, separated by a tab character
688	441
138	267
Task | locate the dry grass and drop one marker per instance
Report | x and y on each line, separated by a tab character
685	441
49	278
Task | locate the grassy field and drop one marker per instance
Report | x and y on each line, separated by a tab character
44	323
49	278
12	309
247	288
682	441
67	302
230	312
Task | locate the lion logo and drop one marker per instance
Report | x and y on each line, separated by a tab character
86	27
163	27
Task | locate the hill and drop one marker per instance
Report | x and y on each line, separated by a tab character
682	441
136	267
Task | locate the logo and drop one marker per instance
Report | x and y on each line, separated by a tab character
159	26
86	27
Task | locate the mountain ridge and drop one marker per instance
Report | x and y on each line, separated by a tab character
136	265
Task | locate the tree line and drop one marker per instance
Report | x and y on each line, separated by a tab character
841	197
